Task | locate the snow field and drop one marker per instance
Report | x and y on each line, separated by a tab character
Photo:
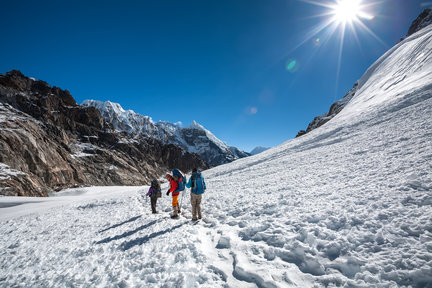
105	242
313	213
345	209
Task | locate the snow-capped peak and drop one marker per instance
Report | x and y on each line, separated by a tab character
196	125
194	139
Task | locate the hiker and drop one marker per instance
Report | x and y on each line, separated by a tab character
173	189
197	184
154	192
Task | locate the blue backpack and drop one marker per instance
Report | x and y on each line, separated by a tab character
180	178
198	184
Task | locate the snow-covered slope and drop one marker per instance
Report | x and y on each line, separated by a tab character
194	139
422	21
347	205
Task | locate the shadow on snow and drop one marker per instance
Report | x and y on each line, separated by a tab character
139	241
120	224
126	234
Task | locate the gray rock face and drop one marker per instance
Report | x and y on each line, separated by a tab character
194	139
335	108
423	20
48	142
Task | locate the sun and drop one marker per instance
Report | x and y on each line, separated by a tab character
347	10
341	18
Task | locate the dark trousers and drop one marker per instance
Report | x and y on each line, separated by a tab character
153	204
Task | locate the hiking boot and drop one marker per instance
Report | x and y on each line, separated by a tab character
194	219
174	216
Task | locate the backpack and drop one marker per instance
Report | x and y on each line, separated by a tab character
156	189
198	185
180	179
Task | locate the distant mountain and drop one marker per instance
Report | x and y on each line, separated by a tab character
258	150
194	139
423	20
49	142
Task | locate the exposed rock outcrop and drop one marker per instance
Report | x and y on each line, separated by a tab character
335	108
423	20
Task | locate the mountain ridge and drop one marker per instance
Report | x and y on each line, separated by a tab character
195	138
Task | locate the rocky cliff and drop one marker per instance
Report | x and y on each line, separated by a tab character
335	108
49	142
423	20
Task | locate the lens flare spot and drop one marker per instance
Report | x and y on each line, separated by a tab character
251	110
366	16
426	4
292	65
317	41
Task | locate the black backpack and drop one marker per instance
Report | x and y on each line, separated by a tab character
156	189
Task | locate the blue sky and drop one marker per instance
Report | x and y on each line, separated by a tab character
228	64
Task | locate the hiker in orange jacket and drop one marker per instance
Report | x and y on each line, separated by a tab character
175	194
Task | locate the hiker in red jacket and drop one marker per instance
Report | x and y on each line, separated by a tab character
175	194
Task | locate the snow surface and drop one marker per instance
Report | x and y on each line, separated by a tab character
79	150
348	204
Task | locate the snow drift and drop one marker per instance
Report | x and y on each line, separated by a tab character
348	204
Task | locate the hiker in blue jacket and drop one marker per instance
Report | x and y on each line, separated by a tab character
197	184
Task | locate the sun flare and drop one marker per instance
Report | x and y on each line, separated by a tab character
347	10
341	18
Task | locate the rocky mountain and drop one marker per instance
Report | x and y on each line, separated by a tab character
335	108
194	139
49	142
423	20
